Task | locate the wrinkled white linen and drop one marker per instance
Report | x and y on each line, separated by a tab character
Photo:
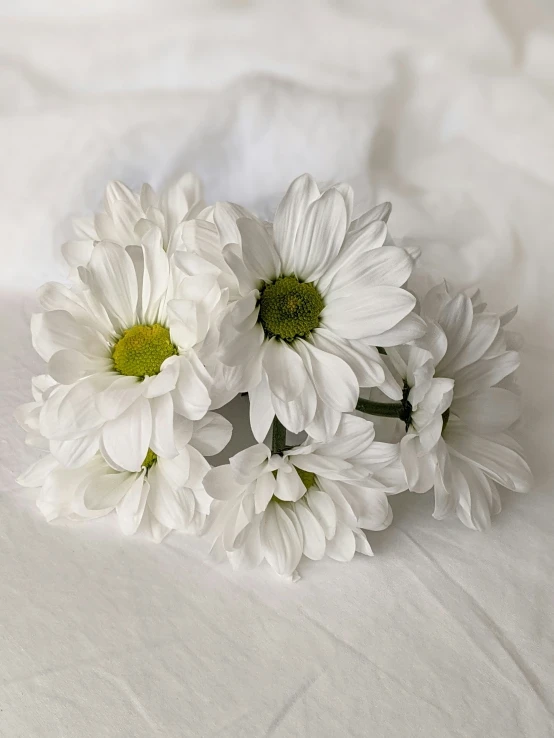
447	109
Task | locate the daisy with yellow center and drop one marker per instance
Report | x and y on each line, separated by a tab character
123	347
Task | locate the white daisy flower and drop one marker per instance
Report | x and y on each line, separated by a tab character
459	404
168	219
317	295
125	350
312	500
167	494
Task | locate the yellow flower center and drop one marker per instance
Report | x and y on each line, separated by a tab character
290	309
142	349
149	459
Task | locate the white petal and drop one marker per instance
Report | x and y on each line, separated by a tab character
77	253
379	212
367	314
191	395
265	489
131	508
162	441
385	266
248	464
326	466
221	485
433	341
113	280
35	475
333	379
312	532
370	505
104	490
57	330
183	323
408	329
279	539
290	213
298	414
244	315
211	434
455	319
481	336
285	370
354	436
447	483
500	463
485	373
125	440
258	251
347	194
85	310
248	554
289	485
488	412
324	423
261	410
157	530
319	236
118	191
355	248
323	508
68	366
362	544
172	506
363	360
119	395
165	381
182	428
75	453
244	346
419	468
154	281
342	546
70	411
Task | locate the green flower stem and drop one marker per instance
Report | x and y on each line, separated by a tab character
383	409
278	437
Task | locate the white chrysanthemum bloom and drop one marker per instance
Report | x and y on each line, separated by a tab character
460	405
138	217
125	349
167	494
317	296
312	500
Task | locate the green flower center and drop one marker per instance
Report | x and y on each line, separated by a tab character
149	459
290	309
142	350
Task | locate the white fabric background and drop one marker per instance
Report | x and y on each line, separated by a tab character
445	107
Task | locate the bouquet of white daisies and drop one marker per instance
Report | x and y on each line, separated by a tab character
172	308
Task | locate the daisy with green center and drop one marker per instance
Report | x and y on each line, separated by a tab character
310	500
461	402
316	295
164	495
127	349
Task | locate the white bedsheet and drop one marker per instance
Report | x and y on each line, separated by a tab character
447	109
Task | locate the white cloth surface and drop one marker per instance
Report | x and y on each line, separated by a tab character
447	109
